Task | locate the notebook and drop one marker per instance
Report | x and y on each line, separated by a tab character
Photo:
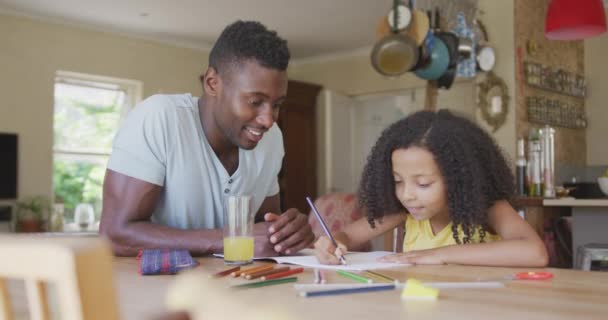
356	261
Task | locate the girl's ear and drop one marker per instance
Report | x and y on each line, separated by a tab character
211	82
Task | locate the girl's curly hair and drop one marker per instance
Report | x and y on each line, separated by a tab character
475	171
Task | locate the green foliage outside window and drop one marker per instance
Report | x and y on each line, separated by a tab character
85	122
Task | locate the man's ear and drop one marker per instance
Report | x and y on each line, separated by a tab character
211	82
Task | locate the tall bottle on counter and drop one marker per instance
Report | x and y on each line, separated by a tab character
520	168
534	164
547	139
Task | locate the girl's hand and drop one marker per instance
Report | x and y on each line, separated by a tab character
327	253
429	256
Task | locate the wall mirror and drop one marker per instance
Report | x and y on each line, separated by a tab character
494	100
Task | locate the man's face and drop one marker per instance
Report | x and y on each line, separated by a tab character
249	102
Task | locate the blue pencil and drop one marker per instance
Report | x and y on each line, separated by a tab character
335	292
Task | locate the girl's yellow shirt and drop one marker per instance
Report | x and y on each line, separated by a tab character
419	235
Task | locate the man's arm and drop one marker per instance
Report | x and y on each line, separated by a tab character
128	204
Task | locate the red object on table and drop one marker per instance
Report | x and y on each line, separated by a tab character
541	275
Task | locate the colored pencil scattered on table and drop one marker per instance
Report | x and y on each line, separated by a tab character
252	269
437	285
226	272
265	283
260	273
262	268
282	274
381	276
346	291
354	276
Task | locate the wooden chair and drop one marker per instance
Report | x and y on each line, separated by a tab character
80	271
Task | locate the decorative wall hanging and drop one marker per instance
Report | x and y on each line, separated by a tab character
494	100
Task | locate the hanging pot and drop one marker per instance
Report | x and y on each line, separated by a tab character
405	17
419	27
439	61
451	41
394	55
447	78
485	56
441	52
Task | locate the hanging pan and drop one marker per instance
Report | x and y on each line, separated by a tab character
439	59
485	55
395	53
451	41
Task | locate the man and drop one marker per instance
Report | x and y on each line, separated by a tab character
176	157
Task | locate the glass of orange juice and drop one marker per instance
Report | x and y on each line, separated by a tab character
238	230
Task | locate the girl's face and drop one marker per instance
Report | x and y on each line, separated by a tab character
419	185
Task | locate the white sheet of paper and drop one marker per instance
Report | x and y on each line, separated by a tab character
355	261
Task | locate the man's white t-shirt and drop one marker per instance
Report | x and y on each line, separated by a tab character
162	142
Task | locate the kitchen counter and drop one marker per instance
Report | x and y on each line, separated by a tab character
589	220
572	202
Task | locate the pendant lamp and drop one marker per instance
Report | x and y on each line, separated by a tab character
574	19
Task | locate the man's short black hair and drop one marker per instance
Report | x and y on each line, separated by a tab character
245	40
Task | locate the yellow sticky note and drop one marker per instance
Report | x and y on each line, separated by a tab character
415	290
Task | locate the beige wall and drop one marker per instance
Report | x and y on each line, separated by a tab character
498	17
596	71
32	51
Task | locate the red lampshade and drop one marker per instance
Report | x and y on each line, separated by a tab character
574	19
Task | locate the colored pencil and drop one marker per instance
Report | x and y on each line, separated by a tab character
334	292
226	272
322	276
265	283
265	273
354	276
436	285
324	226
282	274
262	268
317	276
381	276
252	269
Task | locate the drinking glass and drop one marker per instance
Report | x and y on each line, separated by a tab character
238	230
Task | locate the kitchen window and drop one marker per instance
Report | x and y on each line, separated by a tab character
88	110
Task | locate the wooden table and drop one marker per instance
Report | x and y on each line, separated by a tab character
570	295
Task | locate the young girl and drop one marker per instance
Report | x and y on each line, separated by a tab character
447	180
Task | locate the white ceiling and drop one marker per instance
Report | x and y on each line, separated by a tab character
312	27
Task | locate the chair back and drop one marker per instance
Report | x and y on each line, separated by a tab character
79	270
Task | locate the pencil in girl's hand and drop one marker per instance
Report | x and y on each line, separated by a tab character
317	276
324	226
354	276
258	274
322	276
226	272
265	283
282	274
